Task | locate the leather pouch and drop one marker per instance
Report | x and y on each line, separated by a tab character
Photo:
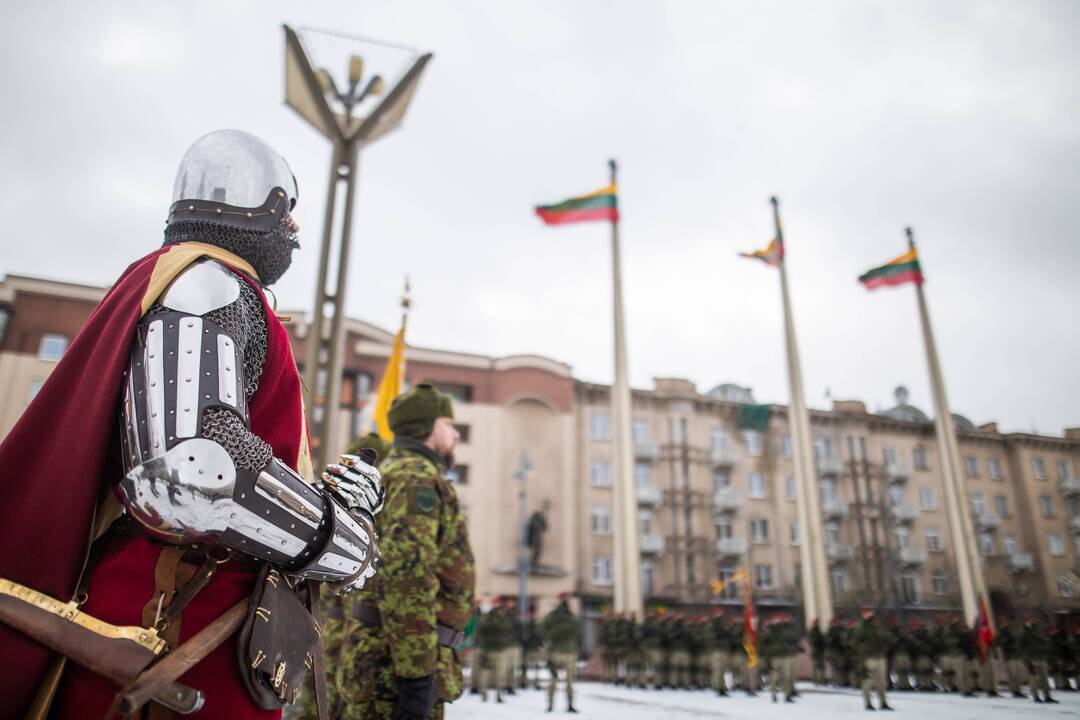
278	642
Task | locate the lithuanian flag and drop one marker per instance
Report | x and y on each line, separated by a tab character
772	255
895	272
599	205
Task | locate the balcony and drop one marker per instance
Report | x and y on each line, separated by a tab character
986	520
904	514
1070	487
897	472
839	553
646	450
731	547
1019	562
830	466
912	556
834	508
727	500
648	494
652	544
1074	525
723	456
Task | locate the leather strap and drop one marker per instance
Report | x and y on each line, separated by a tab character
368	615
191	588
318	672
449	637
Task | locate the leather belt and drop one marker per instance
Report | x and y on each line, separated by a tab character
368	616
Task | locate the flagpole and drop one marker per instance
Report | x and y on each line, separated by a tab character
627	558
969	569
817	593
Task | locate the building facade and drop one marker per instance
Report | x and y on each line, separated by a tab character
713	473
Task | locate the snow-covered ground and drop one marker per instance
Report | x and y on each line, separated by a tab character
595	700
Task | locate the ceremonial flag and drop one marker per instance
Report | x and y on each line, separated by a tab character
390	385
468	638
984	634
749	642
599	205
897	271
772	255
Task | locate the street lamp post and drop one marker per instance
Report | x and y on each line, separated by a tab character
522	475
330	109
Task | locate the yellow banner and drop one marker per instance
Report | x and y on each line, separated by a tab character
390	385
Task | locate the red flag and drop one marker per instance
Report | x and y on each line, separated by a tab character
984	634
749	624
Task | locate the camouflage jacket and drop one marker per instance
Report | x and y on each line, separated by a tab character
561	630
426	575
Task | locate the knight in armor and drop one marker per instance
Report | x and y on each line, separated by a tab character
162	472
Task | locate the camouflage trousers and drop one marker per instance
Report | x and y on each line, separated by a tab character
720	660
655	668
874	678
954	672
1014	668
987	677
679	675
635	667
902	668
924	673
782	675
365	684
564	664
1040	680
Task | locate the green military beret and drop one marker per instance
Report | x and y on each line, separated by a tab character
371	441
421	405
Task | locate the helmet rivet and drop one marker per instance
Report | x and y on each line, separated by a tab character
273	211
280	194
247	215
191	208
218	211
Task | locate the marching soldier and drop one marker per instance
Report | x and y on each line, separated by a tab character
901	656
652	643
700	653
954	667
872	645
415	614
1009	643
924	652
680	652
779	645
635	654
718	634
839	653
562	637
606	643
817	651
1036	647
488	647
533	644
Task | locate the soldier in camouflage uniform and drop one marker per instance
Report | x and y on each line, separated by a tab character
652	638
635	654
403	663
871	643
923	653
718	630
779	644
1036	647
1009	642
817	651
562	637
489	642
900	658
954	667
533	643
605	641
679	659
839	652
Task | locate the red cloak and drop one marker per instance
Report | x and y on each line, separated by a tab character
62	458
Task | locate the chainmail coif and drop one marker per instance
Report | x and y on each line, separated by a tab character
269	252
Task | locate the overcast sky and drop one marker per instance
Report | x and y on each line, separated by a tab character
961	119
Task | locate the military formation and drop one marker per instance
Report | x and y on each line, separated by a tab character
872	654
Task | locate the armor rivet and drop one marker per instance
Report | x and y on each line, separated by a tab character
191	208
242	496
207	397
220	477
280	194
218	211
273	211
247	215
151	356
187	379
153	384
187	409
153	414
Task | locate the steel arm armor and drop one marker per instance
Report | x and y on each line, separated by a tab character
194	472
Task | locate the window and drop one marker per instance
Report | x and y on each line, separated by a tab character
903	538
718	439
763	577
755	444
731	589
463	431
1065	587
757	486
1046	504
34	387
827	490
978	503
793	531
789	487
832	534
940	583
890	456
600	521
642	474
640	431
460	392
933	540
993	469
1057	548
822	447
601	571
1009	545
458	475
918	456
759	530
909	587
896	494
971	466
927	500
785	445
986	544
1001	505
1038	467
721	479
52	347
645	522
724	528
4	315
599	428
600	475
1063	470
839	580
648	574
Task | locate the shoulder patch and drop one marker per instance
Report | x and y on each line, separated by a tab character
425	498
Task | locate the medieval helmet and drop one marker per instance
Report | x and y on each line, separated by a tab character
235	191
